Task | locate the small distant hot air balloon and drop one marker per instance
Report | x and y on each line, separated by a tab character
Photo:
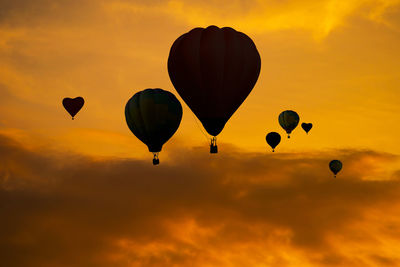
289	120
214	70
153	116
273	139
306	127
335	166
73	105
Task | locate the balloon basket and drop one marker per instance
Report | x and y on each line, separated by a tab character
213	145
156	161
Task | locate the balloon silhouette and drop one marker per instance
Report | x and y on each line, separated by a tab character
73	105
153	116
289	120
335	166
306	127
214	70
273	139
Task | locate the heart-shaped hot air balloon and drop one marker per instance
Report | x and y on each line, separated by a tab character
73	105
306	127
214	70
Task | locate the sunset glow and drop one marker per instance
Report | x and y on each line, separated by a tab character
83	192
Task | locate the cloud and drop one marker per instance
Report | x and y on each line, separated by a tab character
235	209
255	16
38	13
317	17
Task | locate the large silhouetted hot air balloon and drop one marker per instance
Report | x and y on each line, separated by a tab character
289	120
214	70
306	127
153	116
273	139
335	166
73	105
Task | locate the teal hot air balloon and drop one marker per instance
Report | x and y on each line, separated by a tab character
289	120
153	116
335	166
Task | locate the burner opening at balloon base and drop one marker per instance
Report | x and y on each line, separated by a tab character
156	161
213	145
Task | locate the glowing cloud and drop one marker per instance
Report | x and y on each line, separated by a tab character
257	16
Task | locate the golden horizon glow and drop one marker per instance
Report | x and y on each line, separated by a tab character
84	192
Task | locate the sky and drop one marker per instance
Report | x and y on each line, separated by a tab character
84	192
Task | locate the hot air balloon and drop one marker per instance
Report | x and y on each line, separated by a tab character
214	70
73	105
335	166
273	139
306	127
289	120
153	116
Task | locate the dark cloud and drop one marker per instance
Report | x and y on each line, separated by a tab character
33	13
68	210
385	261
40	12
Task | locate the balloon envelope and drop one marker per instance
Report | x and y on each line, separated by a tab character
73	105
306	126
153	116
214	70
273	139
335	166
289	120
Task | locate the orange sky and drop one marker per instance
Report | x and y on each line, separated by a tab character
337	63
